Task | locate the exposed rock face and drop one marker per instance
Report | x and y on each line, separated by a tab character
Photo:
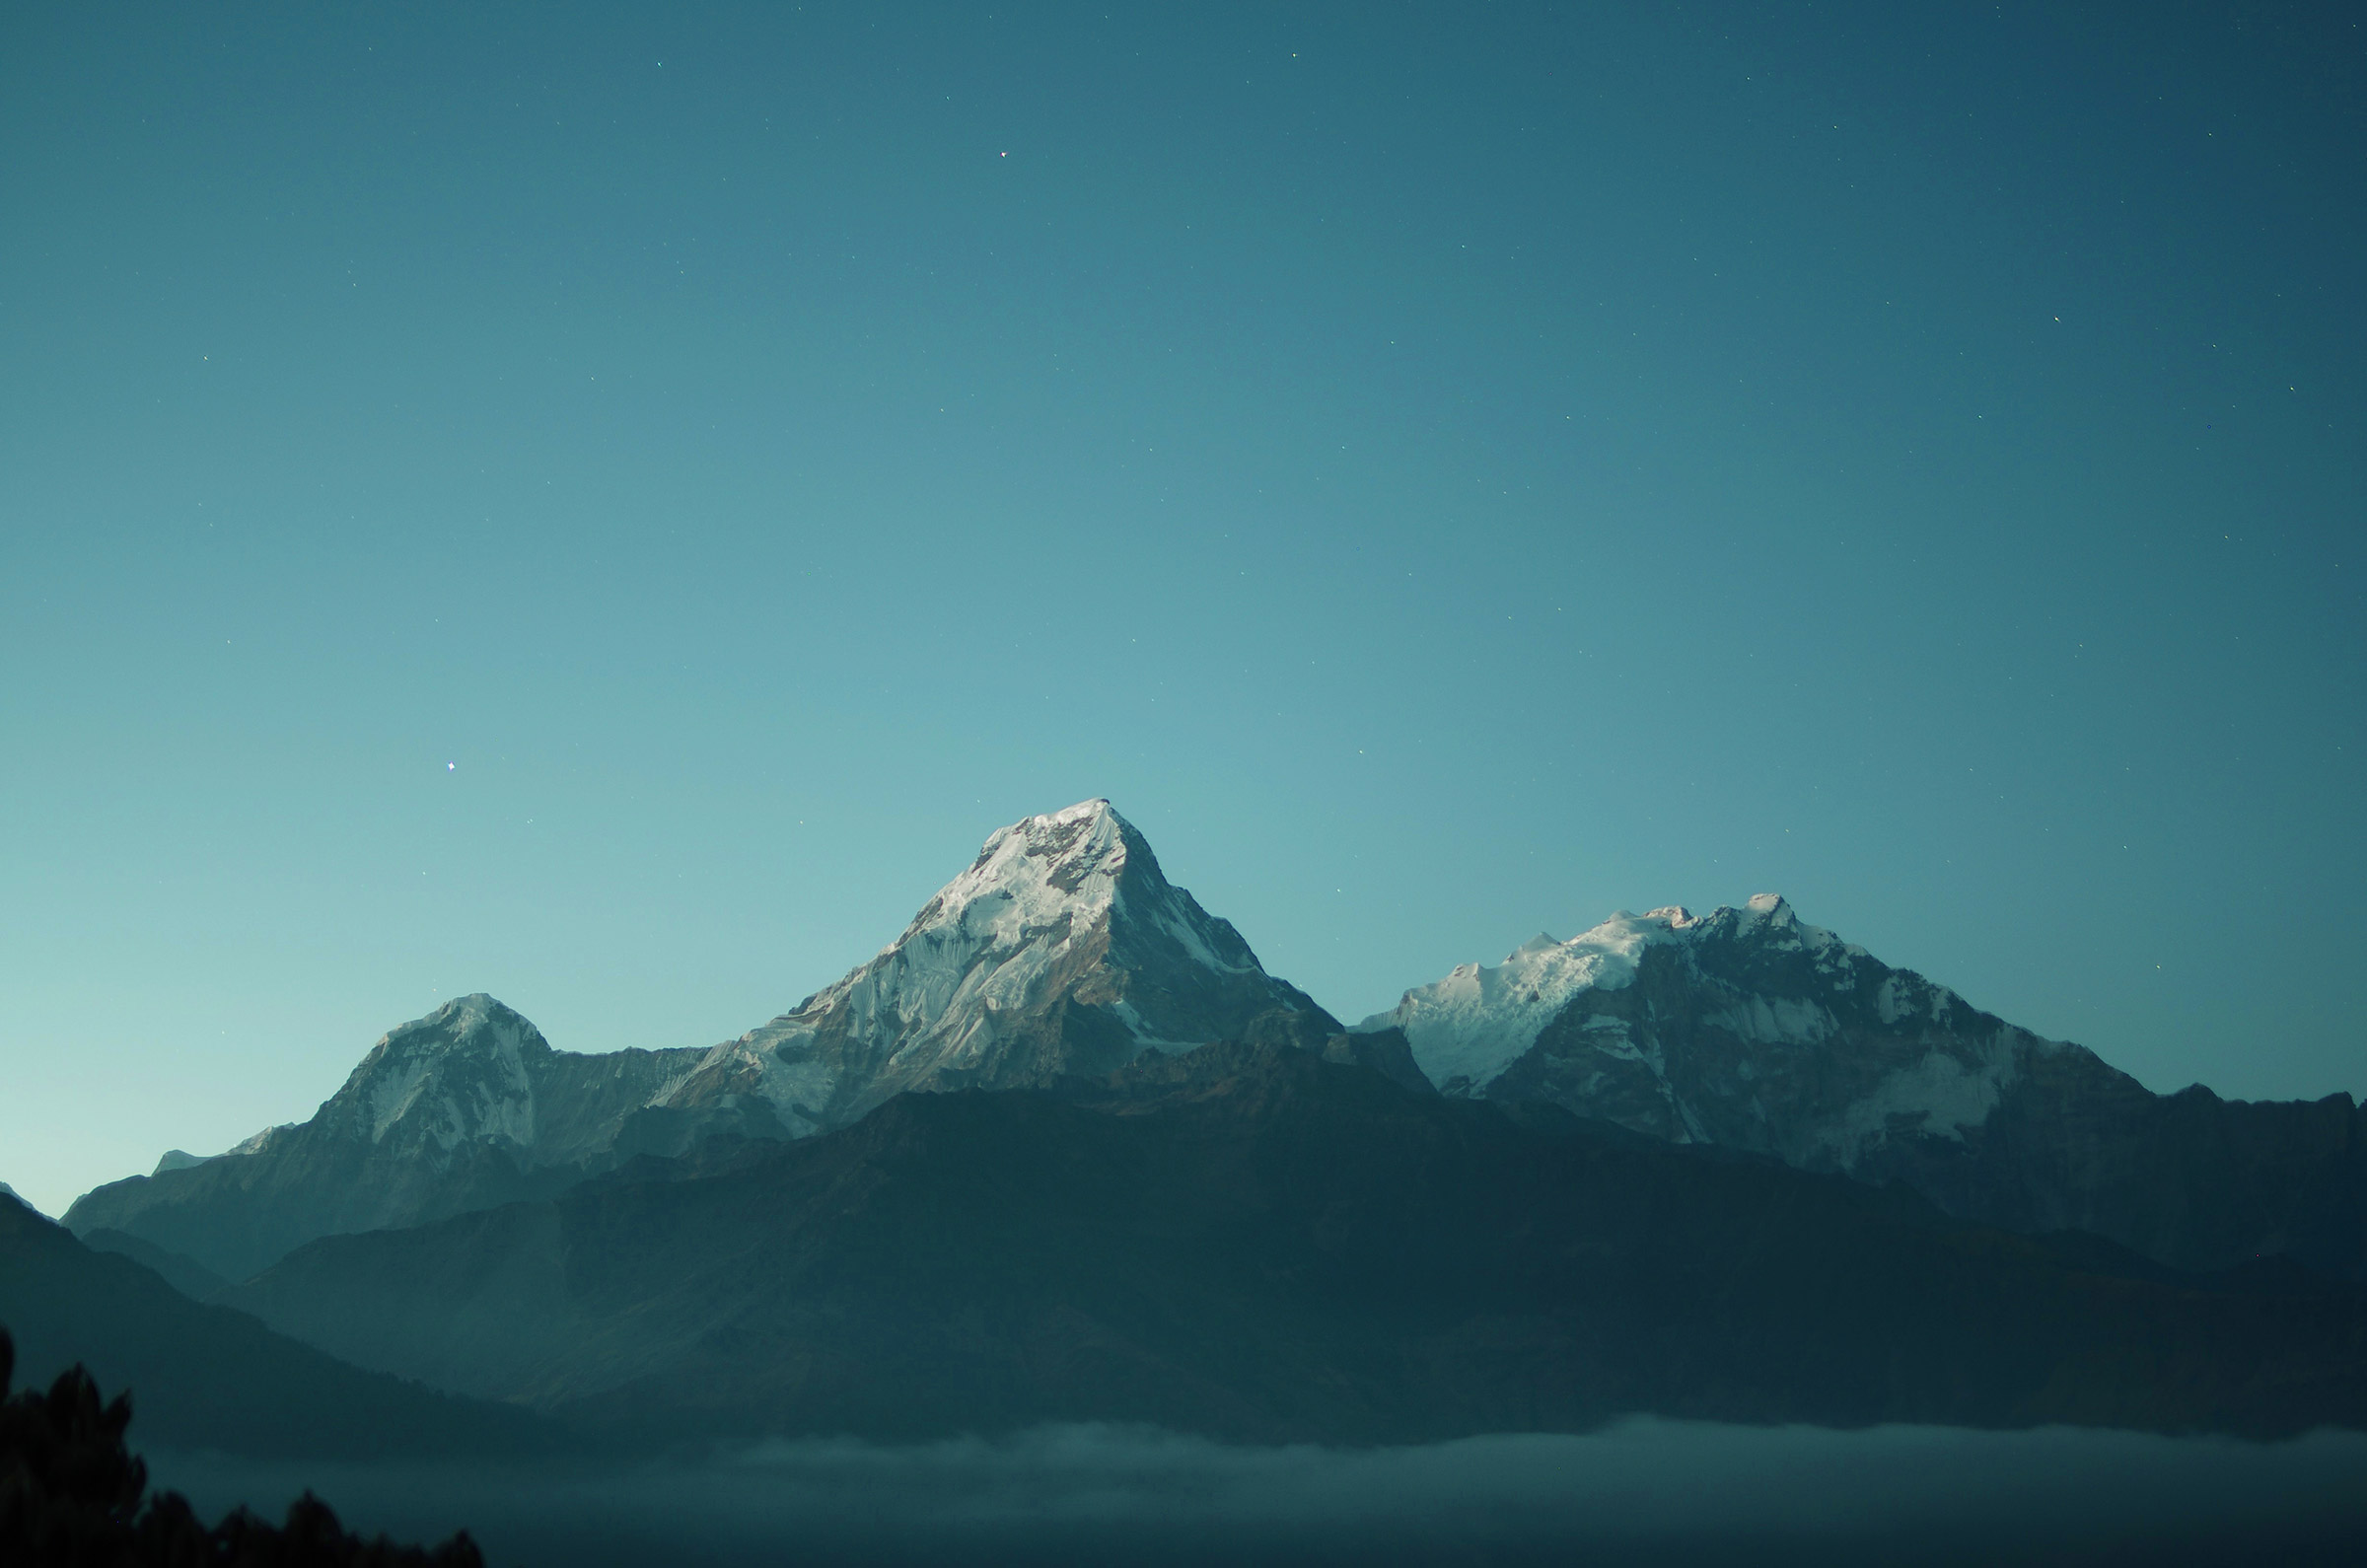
1748	1028
464	1107
1061	951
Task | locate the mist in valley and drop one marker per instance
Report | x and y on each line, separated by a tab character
1640	1491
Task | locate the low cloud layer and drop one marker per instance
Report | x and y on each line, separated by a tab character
1643	1491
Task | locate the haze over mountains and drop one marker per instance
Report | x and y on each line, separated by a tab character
1065	1149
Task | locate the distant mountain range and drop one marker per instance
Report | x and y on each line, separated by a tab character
1062	950
1064	1059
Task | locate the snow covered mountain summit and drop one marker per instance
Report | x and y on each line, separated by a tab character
1742	1026
465	1108
1063	949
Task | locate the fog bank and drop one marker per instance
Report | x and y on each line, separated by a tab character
1644	1490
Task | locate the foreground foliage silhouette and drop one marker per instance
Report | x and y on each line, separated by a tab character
72	1493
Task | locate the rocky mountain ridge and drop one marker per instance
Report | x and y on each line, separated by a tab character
465	1108
1751	1030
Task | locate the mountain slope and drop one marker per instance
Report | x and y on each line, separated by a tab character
207	1377
1253	1243
184	1274
1751	1030
465	1108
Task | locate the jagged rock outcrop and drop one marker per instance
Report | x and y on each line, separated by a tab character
1751	1030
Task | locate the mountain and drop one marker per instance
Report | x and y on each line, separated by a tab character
1252	1243
210	1378
1062	950
465	1108
1753	1030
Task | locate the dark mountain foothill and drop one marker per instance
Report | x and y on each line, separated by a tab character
206	1377
1253	1243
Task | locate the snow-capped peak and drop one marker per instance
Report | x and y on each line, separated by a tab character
1063	865
454	1076
1769	911
997	935
1063	948
1767	920
1470	1027
1735	1044
1477	1021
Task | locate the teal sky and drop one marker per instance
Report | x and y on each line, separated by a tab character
611	505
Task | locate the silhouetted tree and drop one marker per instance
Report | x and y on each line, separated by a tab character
73	1495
